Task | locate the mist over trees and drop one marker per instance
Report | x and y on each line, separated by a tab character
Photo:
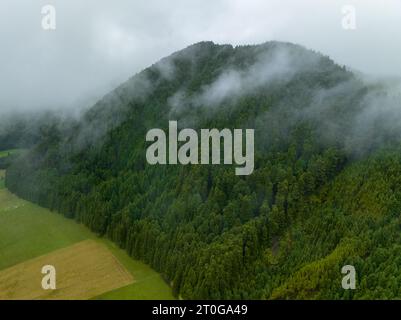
23	130
325	191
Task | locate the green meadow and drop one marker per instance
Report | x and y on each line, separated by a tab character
28	231
9	152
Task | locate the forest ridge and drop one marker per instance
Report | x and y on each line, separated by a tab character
325	191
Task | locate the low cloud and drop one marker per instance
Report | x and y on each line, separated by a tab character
276	63
99	44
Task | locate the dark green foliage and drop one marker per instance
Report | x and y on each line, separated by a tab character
6	161
310	207
23	130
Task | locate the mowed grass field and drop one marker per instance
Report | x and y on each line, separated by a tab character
31	235
83	270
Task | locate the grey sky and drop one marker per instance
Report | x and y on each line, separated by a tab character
100	43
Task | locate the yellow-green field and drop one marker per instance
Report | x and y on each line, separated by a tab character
31	236
83	270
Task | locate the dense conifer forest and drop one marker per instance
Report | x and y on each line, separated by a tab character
325	192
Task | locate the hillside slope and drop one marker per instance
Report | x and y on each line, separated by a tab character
324	192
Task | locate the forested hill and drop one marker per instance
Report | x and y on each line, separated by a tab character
325	191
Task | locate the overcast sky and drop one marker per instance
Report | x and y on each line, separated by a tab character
98	44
